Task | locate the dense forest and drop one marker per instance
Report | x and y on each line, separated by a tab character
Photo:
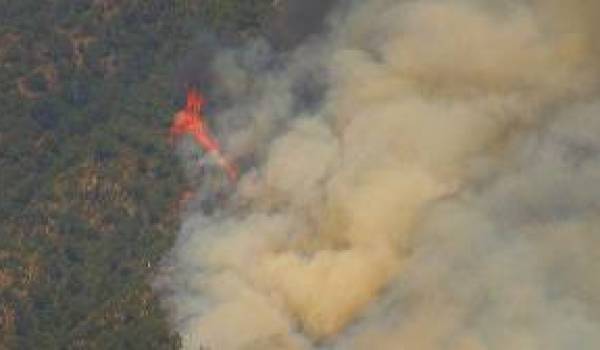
88	185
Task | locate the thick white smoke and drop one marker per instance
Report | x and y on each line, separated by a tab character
443	194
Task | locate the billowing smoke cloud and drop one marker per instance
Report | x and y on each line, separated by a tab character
440	192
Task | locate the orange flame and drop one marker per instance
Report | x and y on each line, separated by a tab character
191	121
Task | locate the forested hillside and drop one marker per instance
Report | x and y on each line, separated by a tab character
88	185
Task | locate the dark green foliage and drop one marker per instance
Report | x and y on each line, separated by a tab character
88	187
45	113
38	83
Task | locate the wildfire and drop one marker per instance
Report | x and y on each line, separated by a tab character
190	121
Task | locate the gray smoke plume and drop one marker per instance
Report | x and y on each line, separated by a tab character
440	192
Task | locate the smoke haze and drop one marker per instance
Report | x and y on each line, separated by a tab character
437	189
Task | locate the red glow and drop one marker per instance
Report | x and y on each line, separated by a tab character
191	121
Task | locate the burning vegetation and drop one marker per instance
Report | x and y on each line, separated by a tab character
431	185
398	174
191	121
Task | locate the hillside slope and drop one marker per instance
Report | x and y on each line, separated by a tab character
88	187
